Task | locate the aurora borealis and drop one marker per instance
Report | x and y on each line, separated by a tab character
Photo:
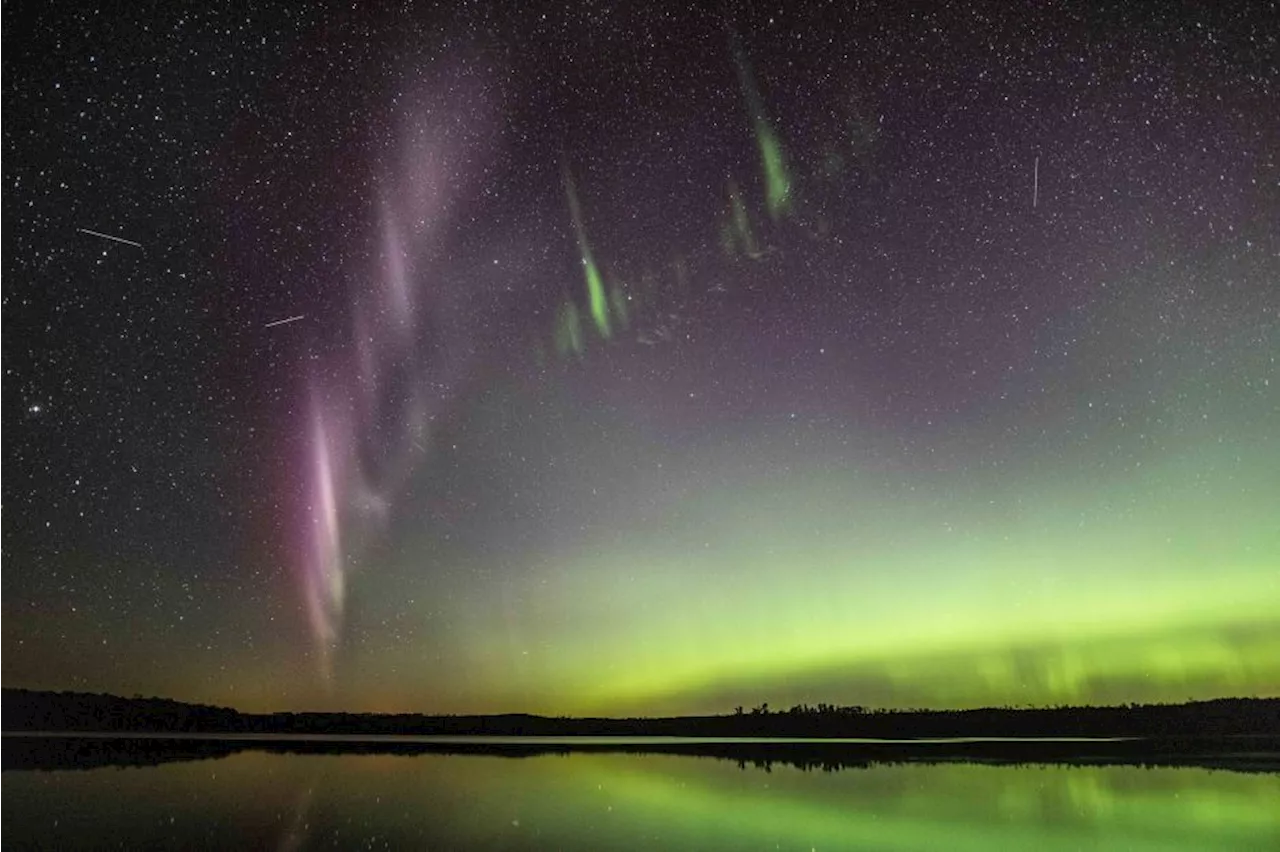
649	361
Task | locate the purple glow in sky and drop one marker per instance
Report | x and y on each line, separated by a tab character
370	412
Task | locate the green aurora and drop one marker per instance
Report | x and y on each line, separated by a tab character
736	586
777	177
596	299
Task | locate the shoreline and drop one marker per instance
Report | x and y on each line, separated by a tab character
63	750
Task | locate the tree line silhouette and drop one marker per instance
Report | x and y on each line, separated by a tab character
91	751
44	711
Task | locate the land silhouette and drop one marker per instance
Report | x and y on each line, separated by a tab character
31	710
62	730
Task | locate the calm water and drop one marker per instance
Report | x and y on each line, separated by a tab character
259	800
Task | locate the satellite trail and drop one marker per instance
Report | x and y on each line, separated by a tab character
284	321
109	237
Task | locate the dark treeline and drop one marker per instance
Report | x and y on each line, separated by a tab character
95	752
28	710
73	752
31	710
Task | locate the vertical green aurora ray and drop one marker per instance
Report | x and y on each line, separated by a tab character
776	175
568	334
596	299
738	232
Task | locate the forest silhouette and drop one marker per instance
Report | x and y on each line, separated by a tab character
74	730
45	711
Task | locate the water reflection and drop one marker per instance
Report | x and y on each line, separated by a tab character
261	800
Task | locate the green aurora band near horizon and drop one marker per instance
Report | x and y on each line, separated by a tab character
855	596
734	573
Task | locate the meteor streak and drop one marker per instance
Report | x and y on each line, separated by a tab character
1035	185
284	321
109	237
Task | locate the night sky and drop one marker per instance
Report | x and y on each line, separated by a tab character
573	359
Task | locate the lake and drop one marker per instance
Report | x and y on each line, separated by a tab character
250	798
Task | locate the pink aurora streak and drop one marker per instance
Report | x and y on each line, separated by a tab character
374	403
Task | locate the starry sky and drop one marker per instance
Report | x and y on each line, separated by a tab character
575	359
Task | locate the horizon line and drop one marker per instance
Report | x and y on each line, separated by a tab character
756	711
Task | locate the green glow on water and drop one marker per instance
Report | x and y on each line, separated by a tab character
595	801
